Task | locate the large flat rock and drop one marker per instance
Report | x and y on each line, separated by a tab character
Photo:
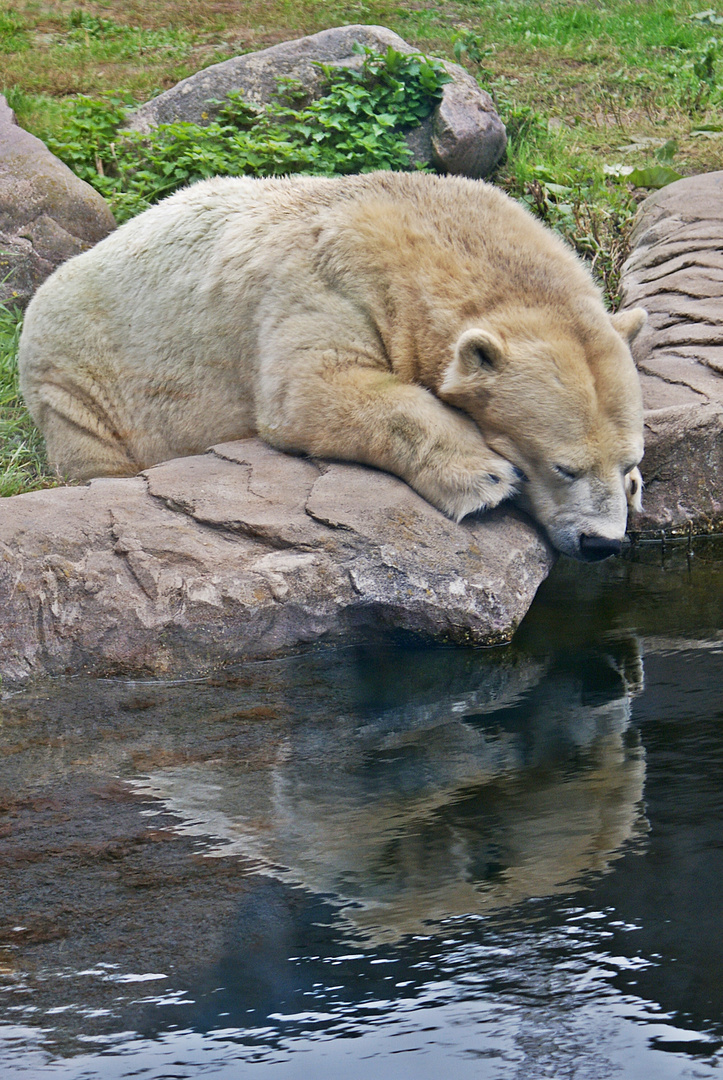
675	271
242	553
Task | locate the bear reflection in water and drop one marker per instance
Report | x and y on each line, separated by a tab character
408	813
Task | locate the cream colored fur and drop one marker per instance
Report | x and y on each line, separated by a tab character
427	326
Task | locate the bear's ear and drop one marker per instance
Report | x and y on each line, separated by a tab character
477	353
629	323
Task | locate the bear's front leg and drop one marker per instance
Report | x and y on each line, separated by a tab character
335	406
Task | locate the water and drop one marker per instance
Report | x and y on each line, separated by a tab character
384	861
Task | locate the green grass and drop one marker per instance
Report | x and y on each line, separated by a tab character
599	99
23	466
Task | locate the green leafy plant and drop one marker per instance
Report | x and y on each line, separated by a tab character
470	46
91	25
704	66
357	125
87	145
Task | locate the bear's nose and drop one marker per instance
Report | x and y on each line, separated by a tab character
594	548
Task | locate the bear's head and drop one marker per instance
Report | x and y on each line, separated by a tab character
560	398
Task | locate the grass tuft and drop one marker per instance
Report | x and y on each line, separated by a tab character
23	465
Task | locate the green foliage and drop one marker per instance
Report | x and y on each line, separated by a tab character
470	46
87	145
22	461
356	126
91	25
704	65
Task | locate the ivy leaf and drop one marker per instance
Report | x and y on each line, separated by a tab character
655	176
557	189
667	152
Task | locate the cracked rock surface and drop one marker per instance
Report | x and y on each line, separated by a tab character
675	272
244	553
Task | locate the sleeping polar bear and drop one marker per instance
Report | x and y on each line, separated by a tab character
425	325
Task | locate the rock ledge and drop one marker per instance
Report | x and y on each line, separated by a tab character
675	271
243	553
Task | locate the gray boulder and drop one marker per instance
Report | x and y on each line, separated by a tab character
244	552
675	271
465	136
468	136
46	213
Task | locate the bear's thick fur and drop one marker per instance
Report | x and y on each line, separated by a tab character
425	325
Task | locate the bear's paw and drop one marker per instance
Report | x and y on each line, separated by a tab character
468	486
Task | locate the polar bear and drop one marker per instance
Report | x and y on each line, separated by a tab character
425	325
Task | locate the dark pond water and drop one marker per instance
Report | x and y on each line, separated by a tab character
386	861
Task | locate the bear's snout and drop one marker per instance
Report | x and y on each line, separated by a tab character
594	548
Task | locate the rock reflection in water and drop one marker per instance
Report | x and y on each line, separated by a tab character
408	813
